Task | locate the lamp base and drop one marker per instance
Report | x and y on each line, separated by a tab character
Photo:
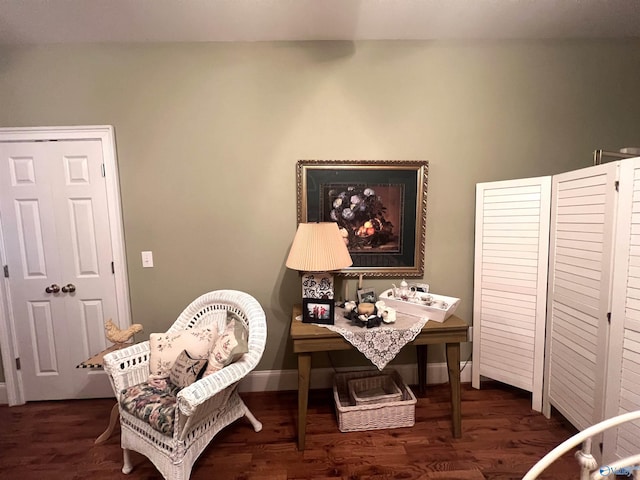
317	285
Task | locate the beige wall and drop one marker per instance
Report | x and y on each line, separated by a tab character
208	136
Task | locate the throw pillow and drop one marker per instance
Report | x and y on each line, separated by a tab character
165	348
229	347
186	369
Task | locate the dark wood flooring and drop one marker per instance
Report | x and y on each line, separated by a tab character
501	439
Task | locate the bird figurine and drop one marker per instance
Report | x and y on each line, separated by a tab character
117	336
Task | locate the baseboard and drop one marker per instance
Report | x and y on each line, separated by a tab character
276	380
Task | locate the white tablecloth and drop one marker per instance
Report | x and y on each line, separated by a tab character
379	344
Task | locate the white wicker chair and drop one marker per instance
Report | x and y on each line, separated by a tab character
203	408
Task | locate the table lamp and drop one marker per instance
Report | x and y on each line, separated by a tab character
317	250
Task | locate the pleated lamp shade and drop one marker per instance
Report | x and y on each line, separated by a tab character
317	249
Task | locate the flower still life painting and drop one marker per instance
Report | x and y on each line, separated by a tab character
368	216
380	208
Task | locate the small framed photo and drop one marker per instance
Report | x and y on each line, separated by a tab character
366	295
316	310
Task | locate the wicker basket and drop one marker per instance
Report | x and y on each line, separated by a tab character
375	389
353	418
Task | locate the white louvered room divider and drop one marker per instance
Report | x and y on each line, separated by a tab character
510	282
587	308
623	379
580	258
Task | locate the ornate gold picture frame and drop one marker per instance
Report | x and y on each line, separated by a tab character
379	206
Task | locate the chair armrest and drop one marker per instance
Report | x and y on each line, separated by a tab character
189	398
128	366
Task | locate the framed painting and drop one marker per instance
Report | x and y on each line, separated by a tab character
380	208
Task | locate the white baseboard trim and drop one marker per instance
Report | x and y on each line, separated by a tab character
4	397
276	380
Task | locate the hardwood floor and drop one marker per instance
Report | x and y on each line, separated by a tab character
501	439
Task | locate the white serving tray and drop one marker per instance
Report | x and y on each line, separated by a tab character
442	308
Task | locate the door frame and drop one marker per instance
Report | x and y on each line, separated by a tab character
104	133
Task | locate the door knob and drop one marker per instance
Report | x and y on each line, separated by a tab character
69	288
53	288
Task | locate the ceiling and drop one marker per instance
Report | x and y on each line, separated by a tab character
62	21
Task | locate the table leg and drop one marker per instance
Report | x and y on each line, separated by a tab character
421	351
453	365
112	424
304	374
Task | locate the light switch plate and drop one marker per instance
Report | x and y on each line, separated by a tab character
147	259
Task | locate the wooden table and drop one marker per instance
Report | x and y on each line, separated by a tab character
308	338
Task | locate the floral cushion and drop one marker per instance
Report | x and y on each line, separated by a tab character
229	347
152	404
164	348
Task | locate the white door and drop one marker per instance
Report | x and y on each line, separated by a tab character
58	250
510	282
583	215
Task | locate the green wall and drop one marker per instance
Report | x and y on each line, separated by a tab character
208	136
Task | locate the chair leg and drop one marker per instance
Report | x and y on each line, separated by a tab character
257	426
127	467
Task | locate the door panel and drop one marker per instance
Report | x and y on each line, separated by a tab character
43	338
84	236
30	238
